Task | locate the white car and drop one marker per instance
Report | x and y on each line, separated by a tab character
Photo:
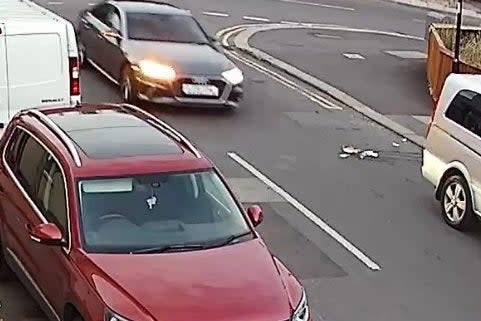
39	60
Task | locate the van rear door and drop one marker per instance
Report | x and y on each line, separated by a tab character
3	75
38	65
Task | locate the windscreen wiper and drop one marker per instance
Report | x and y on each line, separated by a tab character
169	248
231	239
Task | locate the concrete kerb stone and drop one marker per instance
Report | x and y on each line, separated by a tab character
241	41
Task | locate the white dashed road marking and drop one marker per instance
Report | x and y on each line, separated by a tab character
320	35
337	7
54	3
407	54
306	212
353	56
255	18
215	14
318	5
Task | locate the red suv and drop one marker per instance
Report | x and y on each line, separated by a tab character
109	214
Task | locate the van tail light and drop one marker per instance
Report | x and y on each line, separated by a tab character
74	69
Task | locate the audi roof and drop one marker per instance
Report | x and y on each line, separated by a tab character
149	7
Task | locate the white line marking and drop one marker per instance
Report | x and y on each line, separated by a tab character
255	18
407	54
318	5
319	35
54	3
423	119
419	20
321	101
290	22
306	212
337	7
103	72
353	56
215	14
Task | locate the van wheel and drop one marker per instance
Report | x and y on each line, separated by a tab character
127	87
456	203
5	272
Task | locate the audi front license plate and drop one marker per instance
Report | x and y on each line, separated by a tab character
200	90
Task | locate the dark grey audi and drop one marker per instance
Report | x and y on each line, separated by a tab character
159	53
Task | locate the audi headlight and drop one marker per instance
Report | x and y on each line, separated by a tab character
111	316
234	76
301	313
155	70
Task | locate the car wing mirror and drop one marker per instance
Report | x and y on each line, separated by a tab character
47	234
255	214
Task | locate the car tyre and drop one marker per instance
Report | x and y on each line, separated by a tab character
456	203
5	272
128	89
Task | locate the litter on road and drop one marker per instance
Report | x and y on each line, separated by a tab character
368	153
350	150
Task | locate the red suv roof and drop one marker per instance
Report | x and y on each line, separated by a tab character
115	140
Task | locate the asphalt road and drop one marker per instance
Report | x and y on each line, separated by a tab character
382	206
388	73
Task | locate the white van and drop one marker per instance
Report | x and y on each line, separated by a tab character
39	63
452	152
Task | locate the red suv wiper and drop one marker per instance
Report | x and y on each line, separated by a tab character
229	240
167	248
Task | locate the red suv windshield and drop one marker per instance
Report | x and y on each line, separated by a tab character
122	215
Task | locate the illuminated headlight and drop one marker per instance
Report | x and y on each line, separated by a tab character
301	313
155	70
234	76
110	316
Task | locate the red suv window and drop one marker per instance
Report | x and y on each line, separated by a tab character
40	176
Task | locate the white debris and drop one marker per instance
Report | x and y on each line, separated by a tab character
343	155
368	153
395	144
405	140
350	150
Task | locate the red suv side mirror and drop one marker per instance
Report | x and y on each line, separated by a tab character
48	234
255	214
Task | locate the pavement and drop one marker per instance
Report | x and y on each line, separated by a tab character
363	235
